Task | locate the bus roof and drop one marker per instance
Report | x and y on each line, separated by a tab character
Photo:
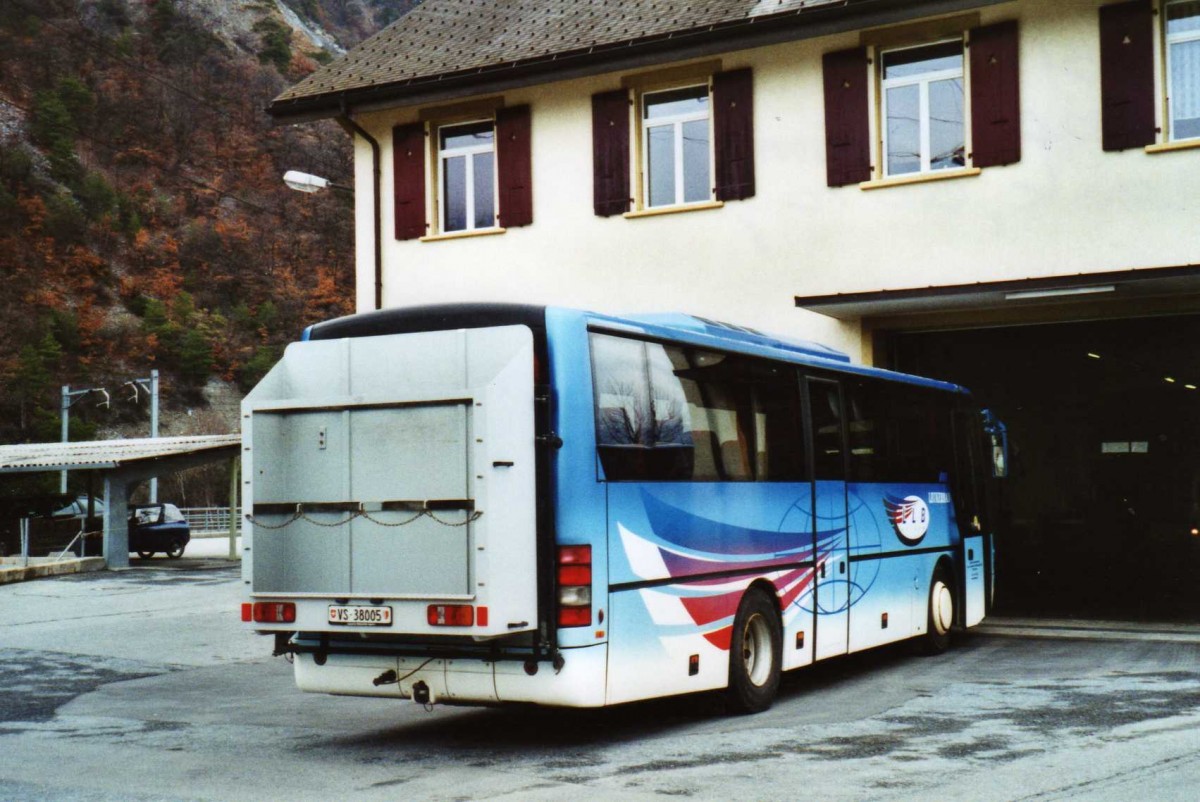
666	326
712	333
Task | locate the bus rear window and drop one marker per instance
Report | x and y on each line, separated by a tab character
673	413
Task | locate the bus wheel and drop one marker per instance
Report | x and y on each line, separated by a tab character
940	616
755	654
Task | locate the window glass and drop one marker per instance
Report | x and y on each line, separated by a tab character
677	102
677	147
472	135
622	390
899	433
454	193
947	148
825	400
1183	17
867	454
674	413
485	195
1183	70
660	165
668	400
778	439
696	184
924	108
904	130
466	158
916	61
143	516
67	511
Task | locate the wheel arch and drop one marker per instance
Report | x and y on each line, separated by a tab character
948	566
767	587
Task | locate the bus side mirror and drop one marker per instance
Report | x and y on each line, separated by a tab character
997	435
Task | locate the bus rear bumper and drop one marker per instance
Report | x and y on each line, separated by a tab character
580	682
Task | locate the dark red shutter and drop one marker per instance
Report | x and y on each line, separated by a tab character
847	125
733	126
1127	75
610	152
995	96
514	166
408	173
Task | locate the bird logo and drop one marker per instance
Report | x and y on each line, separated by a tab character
909	516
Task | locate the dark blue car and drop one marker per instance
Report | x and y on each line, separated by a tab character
158	527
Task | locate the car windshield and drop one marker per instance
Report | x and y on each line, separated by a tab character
70	509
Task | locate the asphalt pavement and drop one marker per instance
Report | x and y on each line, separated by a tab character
142	685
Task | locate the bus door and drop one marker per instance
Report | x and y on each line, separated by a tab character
831	602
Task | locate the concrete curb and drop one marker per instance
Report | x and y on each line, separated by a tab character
1069	629
17	573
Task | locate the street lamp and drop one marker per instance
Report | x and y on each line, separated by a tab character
303	182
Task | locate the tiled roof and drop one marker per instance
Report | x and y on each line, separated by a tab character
442	38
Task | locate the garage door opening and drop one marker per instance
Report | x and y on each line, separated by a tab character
1102	514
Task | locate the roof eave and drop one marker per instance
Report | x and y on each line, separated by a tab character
696	43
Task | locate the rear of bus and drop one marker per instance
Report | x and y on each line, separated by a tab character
400	537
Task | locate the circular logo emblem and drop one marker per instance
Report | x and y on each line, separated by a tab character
909	517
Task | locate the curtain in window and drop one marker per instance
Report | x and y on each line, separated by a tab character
1185	90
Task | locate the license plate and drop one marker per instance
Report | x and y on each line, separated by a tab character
357	615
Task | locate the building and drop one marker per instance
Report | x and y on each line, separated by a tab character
997	193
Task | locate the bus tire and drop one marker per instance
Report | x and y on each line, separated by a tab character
939	614
755	654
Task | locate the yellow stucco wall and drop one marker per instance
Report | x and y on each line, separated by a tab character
1066	208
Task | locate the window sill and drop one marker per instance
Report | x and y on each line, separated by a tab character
1170	147
479	232
661	210
923	178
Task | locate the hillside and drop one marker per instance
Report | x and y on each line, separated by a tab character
143	220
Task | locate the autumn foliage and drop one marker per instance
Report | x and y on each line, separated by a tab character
143	222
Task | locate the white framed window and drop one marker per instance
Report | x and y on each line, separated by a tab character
677	153
467	170
923	108
1182	22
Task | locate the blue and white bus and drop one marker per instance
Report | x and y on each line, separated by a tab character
482	503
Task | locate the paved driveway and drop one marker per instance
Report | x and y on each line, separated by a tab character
141	685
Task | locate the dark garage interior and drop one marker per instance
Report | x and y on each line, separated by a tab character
1099	517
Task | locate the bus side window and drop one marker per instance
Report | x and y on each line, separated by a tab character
622	391
867	444
826	430
677	413
898	433
643	431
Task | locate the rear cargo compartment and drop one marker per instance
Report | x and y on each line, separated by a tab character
396	472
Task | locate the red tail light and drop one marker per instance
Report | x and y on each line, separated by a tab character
575	616
574	575
575	586
450	615
574	555
272	613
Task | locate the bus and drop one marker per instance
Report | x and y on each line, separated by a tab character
495	503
